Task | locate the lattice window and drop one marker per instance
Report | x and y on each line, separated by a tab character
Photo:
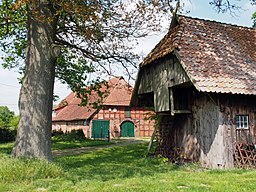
127	112
242	121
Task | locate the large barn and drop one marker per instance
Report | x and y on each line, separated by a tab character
114	118
201	80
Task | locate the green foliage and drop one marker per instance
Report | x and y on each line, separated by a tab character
74	135
6	116
8	125
12	34
73	69
162	159
69	64
254	19
14	122
6	147
7	135
103	33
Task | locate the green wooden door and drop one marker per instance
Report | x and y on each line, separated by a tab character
100	129
127	129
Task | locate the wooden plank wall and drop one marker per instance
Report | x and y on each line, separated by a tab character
209	133
240	105
205	135
158	77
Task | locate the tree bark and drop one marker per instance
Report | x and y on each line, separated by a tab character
36	95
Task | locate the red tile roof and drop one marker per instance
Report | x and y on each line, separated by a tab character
72	111
120	94
68	110
217	57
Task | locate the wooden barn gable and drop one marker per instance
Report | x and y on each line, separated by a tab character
201	80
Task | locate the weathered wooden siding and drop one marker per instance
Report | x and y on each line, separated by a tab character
231	106
158	78
209	133
199	136
177	74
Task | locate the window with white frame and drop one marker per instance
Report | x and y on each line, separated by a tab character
242	121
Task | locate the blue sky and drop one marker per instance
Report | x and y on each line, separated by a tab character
9	87
202	9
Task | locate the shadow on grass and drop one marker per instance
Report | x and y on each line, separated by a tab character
6	148
59	145
113	163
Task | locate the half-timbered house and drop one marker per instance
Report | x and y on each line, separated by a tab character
114	118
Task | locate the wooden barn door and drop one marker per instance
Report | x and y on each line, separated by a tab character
100	129
127	129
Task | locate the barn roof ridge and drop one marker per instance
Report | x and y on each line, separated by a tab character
217	22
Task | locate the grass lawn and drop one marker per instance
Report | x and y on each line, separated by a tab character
58	144
117	169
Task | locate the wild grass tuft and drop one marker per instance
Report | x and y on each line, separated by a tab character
20	170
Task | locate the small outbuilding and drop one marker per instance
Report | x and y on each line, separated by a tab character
114	118
201	80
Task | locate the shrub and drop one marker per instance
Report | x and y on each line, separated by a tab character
57	133
74	135
7	135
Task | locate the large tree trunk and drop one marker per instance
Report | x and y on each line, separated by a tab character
36	94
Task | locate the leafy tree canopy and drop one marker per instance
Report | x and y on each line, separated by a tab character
6	116
92	35
101	32
14	122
